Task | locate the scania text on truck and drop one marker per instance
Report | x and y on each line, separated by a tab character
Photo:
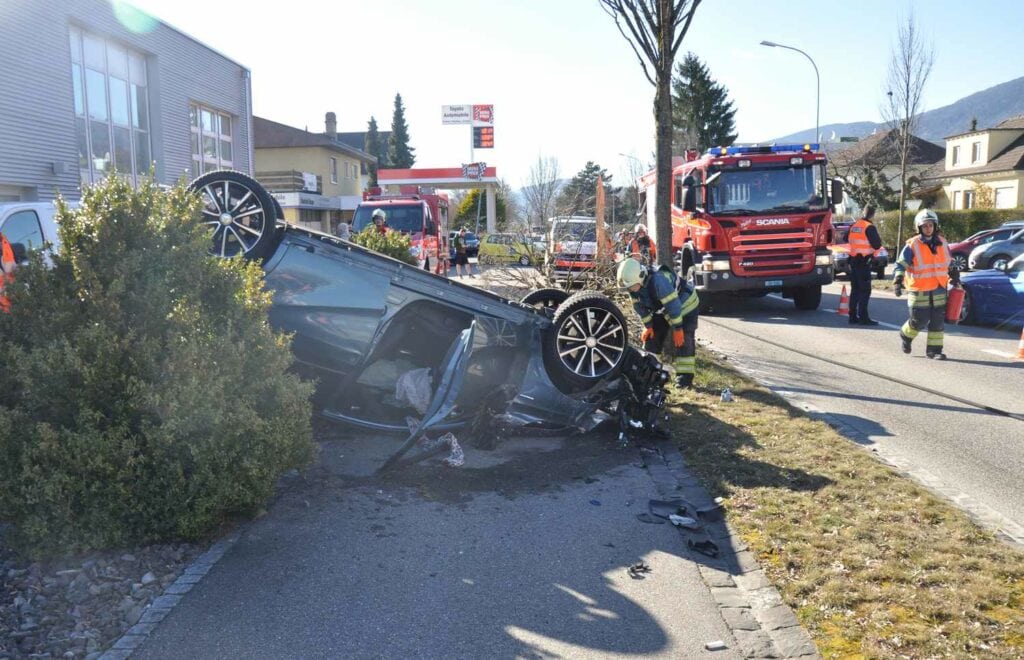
420	213
748	221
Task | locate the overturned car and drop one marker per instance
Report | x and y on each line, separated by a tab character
361	322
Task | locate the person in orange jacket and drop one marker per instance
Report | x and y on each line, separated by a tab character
7	266
642	247
864	240
926	269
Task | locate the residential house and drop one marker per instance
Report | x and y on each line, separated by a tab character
877	155
90	87
316	178
989	160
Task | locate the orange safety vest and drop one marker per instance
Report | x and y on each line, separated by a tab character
859	244
928	271
7	265
638	250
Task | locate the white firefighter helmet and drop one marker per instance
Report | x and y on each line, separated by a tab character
926	215
630	273
640	227
378	216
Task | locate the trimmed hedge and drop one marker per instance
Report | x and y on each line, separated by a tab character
955	225
144	395
394	244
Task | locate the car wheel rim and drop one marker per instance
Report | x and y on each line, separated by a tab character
235	217
960	262
591	342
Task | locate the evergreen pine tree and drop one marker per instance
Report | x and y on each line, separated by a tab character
578	197
702	114
372	146
400	154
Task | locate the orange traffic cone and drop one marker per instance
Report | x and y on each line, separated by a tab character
1020	346
844	304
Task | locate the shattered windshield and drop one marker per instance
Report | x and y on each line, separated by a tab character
769	189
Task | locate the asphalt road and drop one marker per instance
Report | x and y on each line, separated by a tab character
522	553
946	443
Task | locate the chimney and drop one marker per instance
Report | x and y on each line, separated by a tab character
332	125
974	123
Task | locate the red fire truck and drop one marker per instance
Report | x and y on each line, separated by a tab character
748	221
422	213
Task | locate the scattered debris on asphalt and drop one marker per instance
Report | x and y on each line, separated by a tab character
727	395
648	518
717	645
639	570
685	522
703	546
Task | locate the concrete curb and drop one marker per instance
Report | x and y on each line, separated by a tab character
751	607
162	605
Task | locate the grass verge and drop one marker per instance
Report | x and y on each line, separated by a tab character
873	564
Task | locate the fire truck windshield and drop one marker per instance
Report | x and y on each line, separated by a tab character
402	218
766	189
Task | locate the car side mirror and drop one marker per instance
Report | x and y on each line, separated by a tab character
20	253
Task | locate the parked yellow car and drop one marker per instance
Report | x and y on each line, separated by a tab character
508	248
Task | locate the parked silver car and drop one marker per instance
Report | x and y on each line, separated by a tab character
997	254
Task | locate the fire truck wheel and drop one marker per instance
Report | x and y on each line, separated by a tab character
586	343
545	298
807	298
239	212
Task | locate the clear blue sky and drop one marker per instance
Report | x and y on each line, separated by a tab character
564	83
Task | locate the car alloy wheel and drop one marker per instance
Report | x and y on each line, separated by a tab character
588	340
238	211
960	261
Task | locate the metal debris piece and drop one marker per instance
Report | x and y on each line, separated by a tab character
727	395
638	571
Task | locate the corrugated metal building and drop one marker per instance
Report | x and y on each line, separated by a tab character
92	86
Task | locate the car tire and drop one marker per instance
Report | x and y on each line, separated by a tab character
240	213
960	261
999	259
545	298
587	342
807	298
524	260
968	315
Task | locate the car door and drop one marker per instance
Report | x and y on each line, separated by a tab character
1007	299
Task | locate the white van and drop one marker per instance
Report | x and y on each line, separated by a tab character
30	224
572	245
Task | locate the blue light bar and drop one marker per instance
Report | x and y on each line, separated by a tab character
774	149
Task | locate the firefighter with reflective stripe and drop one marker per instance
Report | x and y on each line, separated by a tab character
864	240
7	266
925	268
642	248
666	305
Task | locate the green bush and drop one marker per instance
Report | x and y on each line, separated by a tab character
393	243
144	395
955	225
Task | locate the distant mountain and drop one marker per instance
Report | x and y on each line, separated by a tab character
989	107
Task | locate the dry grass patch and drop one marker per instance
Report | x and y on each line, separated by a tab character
872	563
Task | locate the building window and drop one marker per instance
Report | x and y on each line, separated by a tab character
968	199
975	152
956	200
111	108
956	155
309	217
212	142
334	170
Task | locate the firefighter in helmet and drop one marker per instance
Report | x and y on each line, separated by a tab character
380	221
666	305
925	268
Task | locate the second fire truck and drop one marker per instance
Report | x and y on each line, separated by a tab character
749	221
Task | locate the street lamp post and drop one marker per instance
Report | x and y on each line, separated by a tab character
817	113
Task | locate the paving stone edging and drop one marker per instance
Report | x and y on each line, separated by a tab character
162	605
763	626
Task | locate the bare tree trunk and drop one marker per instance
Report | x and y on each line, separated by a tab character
663	159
